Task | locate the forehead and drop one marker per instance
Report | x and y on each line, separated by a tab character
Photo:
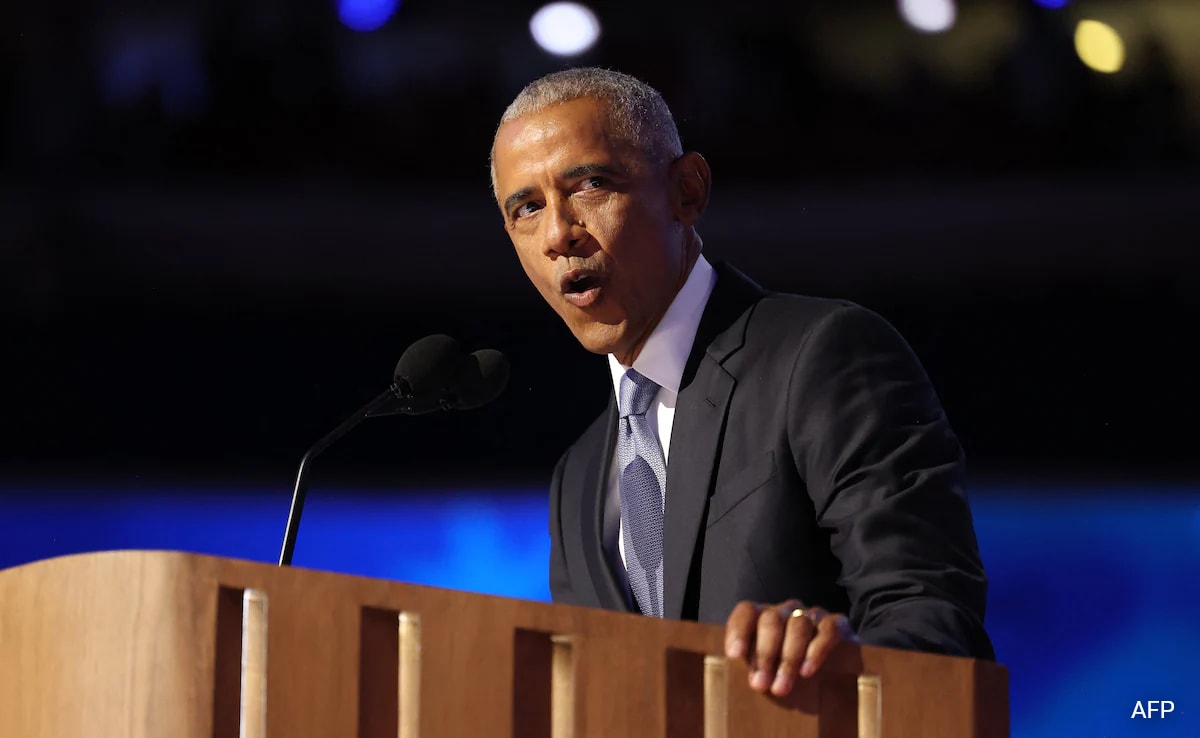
556	138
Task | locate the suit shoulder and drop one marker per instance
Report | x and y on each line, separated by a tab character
803	305
795	316
787	330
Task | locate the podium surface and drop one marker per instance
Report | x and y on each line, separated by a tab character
141	644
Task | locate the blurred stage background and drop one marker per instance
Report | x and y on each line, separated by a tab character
222	221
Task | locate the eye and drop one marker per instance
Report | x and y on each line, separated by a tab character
592	183
525	209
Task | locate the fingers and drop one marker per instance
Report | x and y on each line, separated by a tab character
830	631
799	630
783	642
740	629
766	636
768	644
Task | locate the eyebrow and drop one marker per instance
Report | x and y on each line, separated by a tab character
512	200
583	170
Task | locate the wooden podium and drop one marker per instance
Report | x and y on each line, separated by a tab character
133	644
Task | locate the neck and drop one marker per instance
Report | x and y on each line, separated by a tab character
691	253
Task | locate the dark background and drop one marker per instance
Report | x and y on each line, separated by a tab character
221	222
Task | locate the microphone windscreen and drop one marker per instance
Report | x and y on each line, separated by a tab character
429	365
481	379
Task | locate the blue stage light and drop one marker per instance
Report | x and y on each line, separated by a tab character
366	15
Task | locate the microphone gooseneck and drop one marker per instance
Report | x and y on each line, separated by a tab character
301	488
432	374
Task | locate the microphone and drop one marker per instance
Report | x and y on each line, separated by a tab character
432	374
481	379
424	371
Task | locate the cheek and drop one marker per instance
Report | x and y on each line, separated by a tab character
644	253
638	233
530	263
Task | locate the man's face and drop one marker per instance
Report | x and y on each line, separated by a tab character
594	224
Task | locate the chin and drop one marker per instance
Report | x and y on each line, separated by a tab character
598	338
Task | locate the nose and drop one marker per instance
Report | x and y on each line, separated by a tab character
563	231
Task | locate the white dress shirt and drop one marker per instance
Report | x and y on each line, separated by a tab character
661	359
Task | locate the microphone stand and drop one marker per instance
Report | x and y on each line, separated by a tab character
469	389
391	394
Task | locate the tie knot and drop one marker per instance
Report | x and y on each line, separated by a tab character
637	392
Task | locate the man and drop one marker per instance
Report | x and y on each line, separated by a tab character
759	448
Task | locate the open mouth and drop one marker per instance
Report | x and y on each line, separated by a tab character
581	288
582	283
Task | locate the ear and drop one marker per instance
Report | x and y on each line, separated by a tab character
691	183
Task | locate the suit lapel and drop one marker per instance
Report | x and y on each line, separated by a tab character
700	411
695	443
609	591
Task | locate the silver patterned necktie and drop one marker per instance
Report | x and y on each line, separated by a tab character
643	476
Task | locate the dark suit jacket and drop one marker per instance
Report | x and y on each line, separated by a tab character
810	458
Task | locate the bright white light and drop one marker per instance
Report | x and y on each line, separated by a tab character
565	29
929	16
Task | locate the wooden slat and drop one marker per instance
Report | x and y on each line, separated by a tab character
563	693
716	697
252	719
870	706
409	675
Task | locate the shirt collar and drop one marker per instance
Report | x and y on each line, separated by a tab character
663	357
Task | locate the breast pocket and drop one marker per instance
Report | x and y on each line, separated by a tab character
730	493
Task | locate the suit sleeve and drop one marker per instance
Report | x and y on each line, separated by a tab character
885	473
560	580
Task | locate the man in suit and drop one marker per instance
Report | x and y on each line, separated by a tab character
777	463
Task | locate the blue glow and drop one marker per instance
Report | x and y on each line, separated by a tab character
366	15
165	63
1091	605
1054	4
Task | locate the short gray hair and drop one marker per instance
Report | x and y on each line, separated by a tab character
637	113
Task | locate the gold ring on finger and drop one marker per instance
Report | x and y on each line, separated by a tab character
801	612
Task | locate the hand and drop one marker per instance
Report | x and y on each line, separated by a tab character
782	641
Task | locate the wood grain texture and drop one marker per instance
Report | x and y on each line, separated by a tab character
138	645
